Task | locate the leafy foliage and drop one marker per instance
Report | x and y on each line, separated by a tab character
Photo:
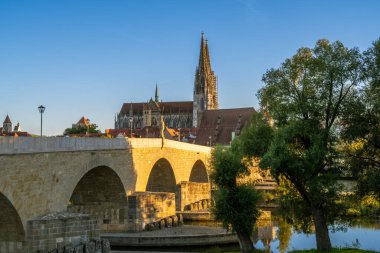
80	129
306	97
361	129
235	203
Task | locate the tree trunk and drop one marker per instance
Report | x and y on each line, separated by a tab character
321	230
245	242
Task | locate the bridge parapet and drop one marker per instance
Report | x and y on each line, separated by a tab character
157	143
27	145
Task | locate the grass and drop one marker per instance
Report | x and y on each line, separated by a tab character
335	251
344	250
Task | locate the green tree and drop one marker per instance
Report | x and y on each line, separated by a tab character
80	129
235	203
305	97
361	128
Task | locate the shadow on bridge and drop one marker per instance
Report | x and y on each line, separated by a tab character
100	192
12	234
199	173
161	178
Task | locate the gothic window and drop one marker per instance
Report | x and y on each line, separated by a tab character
202	84
202	104
154	121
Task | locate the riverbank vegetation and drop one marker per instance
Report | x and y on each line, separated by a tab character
235	204
318	122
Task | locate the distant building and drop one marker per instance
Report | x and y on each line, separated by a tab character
7	125
222	126
181	114
6	130
198	121
83	122
83	128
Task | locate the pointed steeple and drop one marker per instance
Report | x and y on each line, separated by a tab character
202	55
7	125
208	64
205	84
156	94
7	119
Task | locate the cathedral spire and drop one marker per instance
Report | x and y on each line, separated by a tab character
156	94
203	55
205	84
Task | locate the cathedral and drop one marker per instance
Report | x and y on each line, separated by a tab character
182	114
199	121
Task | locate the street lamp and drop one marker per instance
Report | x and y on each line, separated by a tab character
41	109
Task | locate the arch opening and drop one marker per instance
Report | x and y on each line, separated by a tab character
199	173
12	234
161	178
100	192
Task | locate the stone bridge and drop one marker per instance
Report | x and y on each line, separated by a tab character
44	175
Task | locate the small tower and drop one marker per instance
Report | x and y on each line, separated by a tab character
205	85
7	125
156	94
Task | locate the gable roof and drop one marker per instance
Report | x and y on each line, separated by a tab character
219	124
83	121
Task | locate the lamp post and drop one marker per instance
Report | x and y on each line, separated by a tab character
130	124
41	109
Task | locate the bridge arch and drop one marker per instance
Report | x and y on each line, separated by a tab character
100	192
199	173
161	177
11	227
100	184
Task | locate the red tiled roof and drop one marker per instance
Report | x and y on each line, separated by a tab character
167	107
15	134
115	132
221	133
83	121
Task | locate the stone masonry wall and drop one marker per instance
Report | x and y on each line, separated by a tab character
39	175
26	145
148	207
54	230
191	192
112	217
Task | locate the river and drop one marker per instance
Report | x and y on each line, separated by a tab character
279	237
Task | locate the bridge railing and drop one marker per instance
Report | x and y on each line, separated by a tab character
19	145
27	145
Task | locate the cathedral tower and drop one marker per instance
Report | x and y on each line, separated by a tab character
205	85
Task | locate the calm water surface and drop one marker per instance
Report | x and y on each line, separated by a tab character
366	235
279	237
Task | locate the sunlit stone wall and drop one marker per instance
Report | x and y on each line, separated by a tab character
191	192
148	207
47	232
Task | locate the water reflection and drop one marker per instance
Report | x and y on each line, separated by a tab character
280	237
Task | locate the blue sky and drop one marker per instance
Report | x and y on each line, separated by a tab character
86	58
